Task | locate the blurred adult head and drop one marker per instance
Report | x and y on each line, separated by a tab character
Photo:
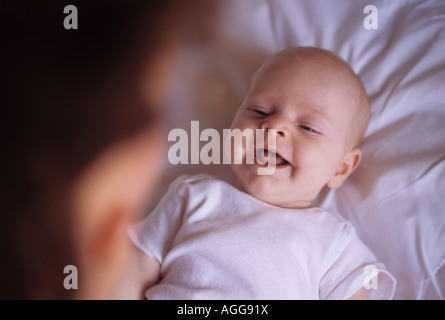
80	135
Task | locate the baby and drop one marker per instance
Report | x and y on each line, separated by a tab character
260	239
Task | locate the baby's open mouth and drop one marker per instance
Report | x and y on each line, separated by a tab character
265	157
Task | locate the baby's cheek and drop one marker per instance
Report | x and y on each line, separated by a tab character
316	169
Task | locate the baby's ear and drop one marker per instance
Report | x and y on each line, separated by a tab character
349	164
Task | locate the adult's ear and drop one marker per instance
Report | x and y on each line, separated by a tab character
349	164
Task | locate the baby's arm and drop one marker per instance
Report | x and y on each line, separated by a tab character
147	272
143	273
359	295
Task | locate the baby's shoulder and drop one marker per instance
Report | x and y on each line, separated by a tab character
330	222
338	218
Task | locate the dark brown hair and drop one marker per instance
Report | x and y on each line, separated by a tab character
66	95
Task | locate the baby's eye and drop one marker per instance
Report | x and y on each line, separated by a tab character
306	128
259	112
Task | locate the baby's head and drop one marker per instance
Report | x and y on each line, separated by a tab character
320	111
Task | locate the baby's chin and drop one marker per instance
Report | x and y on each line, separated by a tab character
270	194
255	185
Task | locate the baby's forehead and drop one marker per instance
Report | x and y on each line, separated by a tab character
325	63
308	59
303	67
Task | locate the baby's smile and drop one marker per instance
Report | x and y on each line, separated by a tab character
265	157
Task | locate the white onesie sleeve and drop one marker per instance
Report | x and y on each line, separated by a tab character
355	267
155	234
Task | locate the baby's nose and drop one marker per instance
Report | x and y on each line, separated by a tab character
279	124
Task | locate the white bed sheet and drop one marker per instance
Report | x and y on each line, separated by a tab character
396	198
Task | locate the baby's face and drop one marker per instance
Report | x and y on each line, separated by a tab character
311	106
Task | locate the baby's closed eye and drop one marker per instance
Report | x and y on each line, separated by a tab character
261	113
307	128
258	111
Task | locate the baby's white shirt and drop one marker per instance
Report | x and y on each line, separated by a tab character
216	242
